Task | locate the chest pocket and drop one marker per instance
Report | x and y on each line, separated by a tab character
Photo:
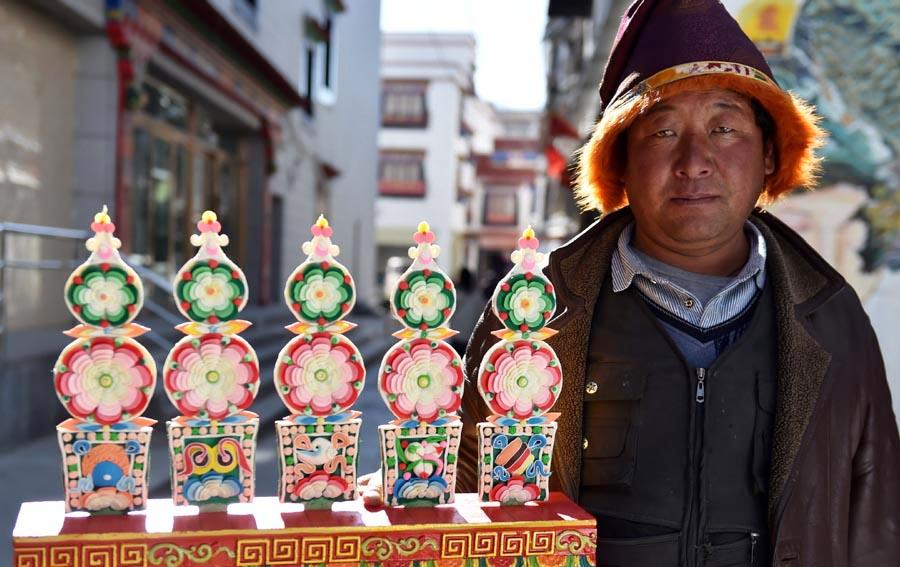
611	425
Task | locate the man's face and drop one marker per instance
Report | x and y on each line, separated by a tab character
695	168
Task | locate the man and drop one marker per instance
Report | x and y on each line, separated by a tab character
724	398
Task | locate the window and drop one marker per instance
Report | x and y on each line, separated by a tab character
328	56
326	67
518	129
500	207
318	65
182	163
307	75
402	174
403	104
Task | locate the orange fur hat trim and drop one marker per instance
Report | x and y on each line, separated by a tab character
797	136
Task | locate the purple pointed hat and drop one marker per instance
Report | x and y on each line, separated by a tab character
668	46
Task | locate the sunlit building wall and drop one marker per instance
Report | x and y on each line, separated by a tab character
425	80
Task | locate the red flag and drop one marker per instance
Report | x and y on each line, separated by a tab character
556	163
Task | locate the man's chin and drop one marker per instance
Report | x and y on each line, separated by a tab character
698	231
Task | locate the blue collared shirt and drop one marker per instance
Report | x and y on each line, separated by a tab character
628	268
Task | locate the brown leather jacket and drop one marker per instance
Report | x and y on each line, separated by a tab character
834	494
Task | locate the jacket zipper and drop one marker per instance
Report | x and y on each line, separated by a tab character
694	524
695	546
754	537
701	385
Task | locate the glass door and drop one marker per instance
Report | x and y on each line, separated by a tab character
179	169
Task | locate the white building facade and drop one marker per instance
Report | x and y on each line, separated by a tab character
510	189
424	168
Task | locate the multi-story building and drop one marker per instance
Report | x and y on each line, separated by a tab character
424	143
511	189
448	157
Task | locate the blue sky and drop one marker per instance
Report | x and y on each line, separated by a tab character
510	66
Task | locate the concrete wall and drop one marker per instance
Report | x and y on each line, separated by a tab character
346	137
38	63
94	138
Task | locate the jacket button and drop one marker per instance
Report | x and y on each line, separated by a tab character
591	388
584	443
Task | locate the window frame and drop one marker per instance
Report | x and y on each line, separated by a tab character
417	88
500	191
415	189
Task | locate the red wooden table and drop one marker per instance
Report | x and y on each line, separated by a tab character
267	532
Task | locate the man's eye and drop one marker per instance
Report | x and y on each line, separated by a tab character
665	133
723	130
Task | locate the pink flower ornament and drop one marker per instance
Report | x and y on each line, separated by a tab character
319	374
105	380
520	379
421	380
211	376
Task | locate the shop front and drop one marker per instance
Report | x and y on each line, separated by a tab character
200	114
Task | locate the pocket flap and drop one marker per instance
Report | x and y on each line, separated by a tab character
606	441
617	383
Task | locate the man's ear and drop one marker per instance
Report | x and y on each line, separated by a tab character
769	158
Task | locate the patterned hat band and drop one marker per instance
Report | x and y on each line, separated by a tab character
688	70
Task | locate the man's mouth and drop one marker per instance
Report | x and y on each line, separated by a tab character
700	199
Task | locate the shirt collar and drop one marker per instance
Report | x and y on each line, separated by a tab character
626	264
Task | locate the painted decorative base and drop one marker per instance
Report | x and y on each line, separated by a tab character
105	468
317	463
418	464
466	533
514	462
212	463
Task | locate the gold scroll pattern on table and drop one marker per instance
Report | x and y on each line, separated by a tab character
542	544
293	551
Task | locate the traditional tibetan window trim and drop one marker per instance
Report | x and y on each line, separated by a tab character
500	206
402	173
404	104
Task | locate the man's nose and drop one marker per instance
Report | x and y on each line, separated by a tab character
694	157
